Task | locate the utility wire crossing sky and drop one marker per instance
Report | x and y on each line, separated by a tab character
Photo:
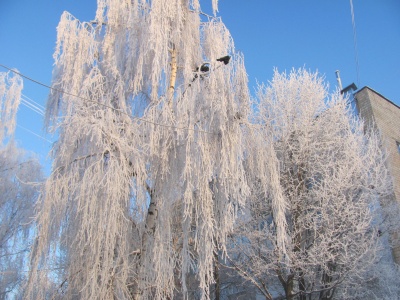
361	38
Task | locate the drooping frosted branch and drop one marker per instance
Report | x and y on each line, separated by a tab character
134	206
10	97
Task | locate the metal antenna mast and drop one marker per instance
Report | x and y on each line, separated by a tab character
338	80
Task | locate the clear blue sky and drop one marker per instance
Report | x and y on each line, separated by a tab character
284	34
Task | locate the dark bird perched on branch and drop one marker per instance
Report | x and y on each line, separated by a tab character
224	59
205	68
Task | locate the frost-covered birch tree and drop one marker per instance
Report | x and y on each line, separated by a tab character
150	103
332	177
19	175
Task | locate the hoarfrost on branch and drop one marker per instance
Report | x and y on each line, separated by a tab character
334	181
159	149
148	170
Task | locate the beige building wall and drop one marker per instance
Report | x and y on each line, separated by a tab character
376	110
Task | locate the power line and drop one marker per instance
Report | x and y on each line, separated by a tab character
31	106
36	107
34	102
104	105
14	167
39	136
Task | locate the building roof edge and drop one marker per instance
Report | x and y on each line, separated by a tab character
367	87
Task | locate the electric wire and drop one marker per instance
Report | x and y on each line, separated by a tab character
34	102
355	42
104	105
31	106
37	108
14	167
30	131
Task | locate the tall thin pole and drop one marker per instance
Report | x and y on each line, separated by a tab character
338	80
353	21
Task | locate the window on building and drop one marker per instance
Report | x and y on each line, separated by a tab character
398	146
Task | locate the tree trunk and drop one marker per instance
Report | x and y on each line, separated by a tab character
172	79
152	211
302	287
326	281
287	284
216	276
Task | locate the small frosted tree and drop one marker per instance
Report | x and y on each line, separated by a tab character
148	170
18	192
331	176
19	179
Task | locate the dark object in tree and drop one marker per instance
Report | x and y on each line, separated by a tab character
224	59
238	116
204	68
